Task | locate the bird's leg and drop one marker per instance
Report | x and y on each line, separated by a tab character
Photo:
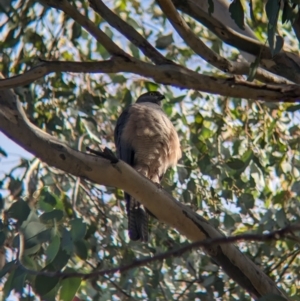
158	185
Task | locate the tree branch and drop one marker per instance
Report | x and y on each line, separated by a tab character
209	55
207	243
191	39
138	40
174	75
285	64
88	25
129	32
239	68
16	126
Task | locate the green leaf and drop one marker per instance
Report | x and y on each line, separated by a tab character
205	133
246	200
53	248
19	210
35	232
1	199
182	174
52	294
3	152
296	187
31	263
163	42
69	287
92	228
235	164
293	108
288	13
252	12
177	99
253	68
281	218
78	229
2	238
18	280
55	214
76	31
8	285
7	268
199	119
67	242
44	284
272	11
47	200
134	51
280	197
79	125
150	86
247	156
237	13
127	99
229	221
102	51
81	249
60	260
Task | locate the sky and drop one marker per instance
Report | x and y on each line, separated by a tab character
14	153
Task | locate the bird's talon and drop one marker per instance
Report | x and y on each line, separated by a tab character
158	185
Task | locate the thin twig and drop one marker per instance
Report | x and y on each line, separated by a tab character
129	32
119	289
275	235
186	288
163	291
88	25
287	266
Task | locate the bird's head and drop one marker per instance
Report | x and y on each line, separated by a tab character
154	97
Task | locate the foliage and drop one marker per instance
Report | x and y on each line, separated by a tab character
240	165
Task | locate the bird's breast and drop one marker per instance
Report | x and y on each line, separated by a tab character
153	138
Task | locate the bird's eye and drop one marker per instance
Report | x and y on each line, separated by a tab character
151	94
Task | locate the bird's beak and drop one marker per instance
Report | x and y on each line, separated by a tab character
161	97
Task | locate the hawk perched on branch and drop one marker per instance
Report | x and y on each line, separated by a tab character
147	140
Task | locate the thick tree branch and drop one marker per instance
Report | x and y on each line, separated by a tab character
285	64
209	55
221	12
138	40
129	32
15	125
191	39
243	68
88	25
165	74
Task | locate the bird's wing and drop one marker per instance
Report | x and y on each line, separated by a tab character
124	149
137	217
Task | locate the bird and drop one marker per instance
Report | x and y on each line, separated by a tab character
145	139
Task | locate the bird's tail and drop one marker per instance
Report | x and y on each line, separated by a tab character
137	219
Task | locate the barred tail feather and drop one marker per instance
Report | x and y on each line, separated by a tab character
137	220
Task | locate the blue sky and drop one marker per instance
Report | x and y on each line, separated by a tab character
14	153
